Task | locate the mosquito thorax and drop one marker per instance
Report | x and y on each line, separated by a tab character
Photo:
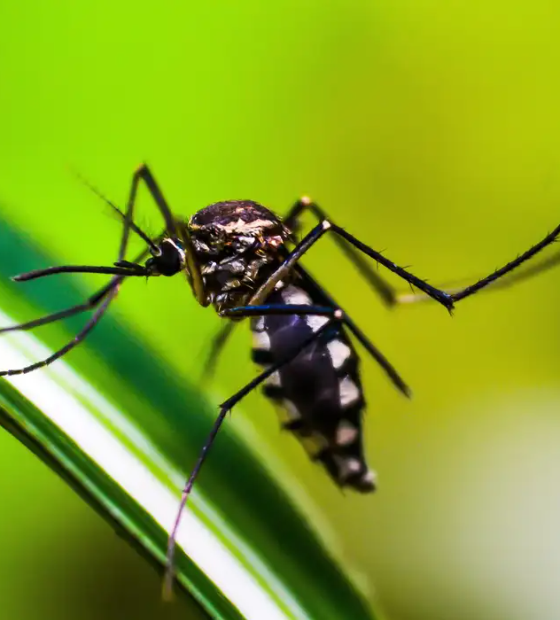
237	244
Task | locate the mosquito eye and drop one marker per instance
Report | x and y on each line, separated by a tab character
168	263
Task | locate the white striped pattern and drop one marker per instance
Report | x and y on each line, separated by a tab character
349	392
339	352
261	341
346	433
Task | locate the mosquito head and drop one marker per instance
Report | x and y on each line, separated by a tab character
235	226
168	258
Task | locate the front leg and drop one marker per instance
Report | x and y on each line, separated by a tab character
225	407
175	229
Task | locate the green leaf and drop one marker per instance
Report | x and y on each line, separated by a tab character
119	426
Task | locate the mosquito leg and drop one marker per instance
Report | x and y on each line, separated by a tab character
73	343
527	274
91	303
143	173
499	273
224	409
312	237
503	283
439	295
313	285
389	294
282	309
386	292
218	343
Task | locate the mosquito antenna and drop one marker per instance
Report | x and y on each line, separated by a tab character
134	227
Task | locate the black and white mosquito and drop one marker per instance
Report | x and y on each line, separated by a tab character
244	260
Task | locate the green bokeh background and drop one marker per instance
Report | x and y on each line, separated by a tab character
431	130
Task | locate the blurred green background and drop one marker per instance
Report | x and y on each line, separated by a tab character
431	130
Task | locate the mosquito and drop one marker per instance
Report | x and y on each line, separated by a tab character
244	260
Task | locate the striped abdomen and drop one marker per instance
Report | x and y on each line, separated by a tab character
319	393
